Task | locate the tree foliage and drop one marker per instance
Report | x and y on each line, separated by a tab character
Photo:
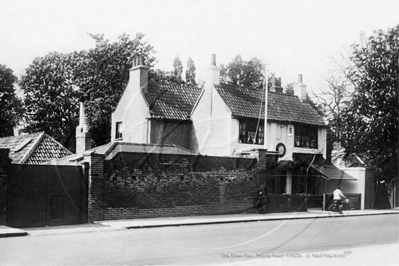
10	104
102	75
333	100
373	112
177	69
54	83
243	73
190	72
289	88
365	118
50	100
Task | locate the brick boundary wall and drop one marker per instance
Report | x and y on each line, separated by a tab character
160	185
210	209
143	185
4	167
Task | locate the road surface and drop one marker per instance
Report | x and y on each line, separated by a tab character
238	243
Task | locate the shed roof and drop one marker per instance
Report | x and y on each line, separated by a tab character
110	150
35	148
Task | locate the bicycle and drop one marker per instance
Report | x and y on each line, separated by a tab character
333	209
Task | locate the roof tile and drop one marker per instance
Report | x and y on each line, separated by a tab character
35	148
171	101
250	102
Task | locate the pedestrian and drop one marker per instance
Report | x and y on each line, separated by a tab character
262	199
338	196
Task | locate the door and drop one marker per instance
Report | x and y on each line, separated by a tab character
46	195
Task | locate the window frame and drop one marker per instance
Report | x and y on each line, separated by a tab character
118	131
306	136
248	133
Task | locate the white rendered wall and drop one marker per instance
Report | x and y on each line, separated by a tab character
350	186
212	123
132	111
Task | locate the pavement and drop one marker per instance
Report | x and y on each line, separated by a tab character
113	225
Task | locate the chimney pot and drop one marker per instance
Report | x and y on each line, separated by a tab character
141	61
299	78
300	89
213	72
278	82
273	81
213	59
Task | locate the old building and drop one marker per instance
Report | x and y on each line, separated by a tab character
227	120
35	148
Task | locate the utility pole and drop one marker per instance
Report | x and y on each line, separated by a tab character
266	101
265	124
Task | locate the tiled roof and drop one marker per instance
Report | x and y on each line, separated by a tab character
171	101
249	103
36	148
47	149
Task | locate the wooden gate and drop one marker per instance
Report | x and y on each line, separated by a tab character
46	195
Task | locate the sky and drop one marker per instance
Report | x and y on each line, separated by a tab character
291	37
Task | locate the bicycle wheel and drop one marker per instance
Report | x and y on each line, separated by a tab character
332	210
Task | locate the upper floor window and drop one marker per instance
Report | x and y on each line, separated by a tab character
306	137
251	132
118	130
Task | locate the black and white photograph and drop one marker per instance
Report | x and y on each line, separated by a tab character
205	132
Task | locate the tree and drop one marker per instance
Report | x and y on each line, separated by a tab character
177	69
51	101
333	100
53	85
289	88
10	104
369	124
102	75
190	72
243	73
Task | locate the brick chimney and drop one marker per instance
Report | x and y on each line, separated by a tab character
300	89
83	136
139	73
213	72
276	85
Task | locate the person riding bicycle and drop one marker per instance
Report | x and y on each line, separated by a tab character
338	196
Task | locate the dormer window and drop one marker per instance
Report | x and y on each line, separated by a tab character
118	130
251	132
306	137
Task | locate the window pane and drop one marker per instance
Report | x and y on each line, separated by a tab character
313	138
118	133
297	136
261	134
306	138
242	135
251	132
